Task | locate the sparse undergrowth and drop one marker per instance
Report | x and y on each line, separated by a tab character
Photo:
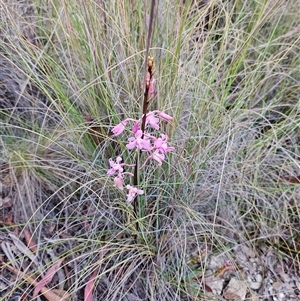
228	73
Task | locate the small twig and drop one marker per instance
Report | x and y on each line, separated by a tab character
220	272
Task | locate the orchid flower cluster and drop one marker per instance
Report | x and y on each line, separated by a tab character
155	147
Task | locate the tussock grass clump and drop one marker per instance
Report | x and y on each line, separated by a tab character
227	71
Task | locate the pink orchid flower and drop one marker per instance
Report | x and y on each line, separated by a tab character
160	148
139	142
158	156
116	166
132	192
152	120
161	144
119	128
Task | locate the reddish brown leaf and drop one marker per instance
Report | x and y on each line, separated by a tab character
29	240
292	179
88	290
47	278
207	288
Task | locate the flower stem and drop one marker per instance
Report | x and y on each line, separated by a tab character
148	75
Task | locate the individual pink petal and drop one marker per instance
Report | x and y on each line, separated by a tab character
131	143
119	128
158	142
47	278
139	134
152	86
118	180
135	127
119	159
165	116
110	172
140	191
169	149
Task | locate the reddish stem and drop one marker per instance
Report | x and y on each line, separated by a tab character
148	70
